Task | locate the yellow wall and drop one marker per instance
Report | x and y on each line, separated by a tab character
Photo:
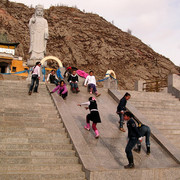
19	67
7	47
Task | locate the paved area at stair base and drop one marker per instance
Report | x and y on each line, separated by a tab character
104	158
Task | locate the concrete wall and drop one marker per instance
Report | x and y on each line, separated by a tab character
138	85
174	85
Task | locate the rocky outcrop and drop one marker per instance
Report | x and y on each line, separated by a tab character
87	41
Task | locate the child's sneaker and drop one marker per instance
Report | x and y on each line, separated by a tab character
73	90
98	94
97	134
87	128
77	90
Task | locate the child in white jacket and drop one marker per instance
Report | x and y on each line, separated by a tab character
91	82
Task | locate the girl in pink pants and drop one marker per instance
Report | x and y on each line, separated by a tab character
92	116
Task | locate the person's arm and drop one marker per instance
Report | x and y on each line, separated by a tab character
65	73
95	81
70	79
65	89
86	80
84	104
56	76
38	71
120	106
48	77
55	89
77	80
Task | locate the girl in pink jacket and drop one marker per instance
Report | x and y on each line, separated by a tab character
62	89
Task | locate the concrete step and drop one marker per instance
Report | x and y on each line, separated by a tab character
37	161
44	176
160	118
27	110
160	112
143	93
36	153
162	121
171	131
40	168
37	140
30	124
168	127
60	134
30	115
31	129
156	105
31	119
53	147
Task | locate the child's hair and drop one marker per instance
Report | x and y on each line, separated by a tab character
127	94
61	82
129	114
92	99
37	63
91	72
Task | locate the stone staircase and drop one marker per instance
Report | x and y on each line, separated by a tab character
160	109
33	141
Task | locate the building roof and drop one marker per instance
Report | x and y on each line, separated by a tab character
9	44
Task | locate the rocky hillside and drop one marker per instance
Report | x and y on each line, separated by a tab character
86	41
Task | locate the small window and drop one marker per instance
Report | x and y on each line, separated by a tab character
13	69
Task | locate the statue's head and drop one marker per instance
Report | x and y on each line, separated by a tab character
39	10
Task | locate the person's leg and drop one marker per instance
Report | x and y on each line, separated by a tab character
37	84
31	86
72	87
138	149
121	116
56	82
64	95
128	150
148	133
90	88
75	85
87	127
95	90
95	130
77	88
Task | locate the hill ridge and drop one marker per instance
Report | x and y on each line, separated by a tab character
87	41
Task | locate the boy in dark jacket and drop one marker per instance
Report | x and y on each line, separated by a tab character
53	78
121	109
73	80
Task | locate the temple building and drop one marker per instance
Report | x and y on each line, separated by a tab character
9	62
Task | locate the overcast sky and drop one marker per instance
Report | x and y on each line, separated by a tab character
155	22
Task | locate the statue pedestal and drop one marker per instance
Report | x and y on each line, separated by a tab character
32	62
